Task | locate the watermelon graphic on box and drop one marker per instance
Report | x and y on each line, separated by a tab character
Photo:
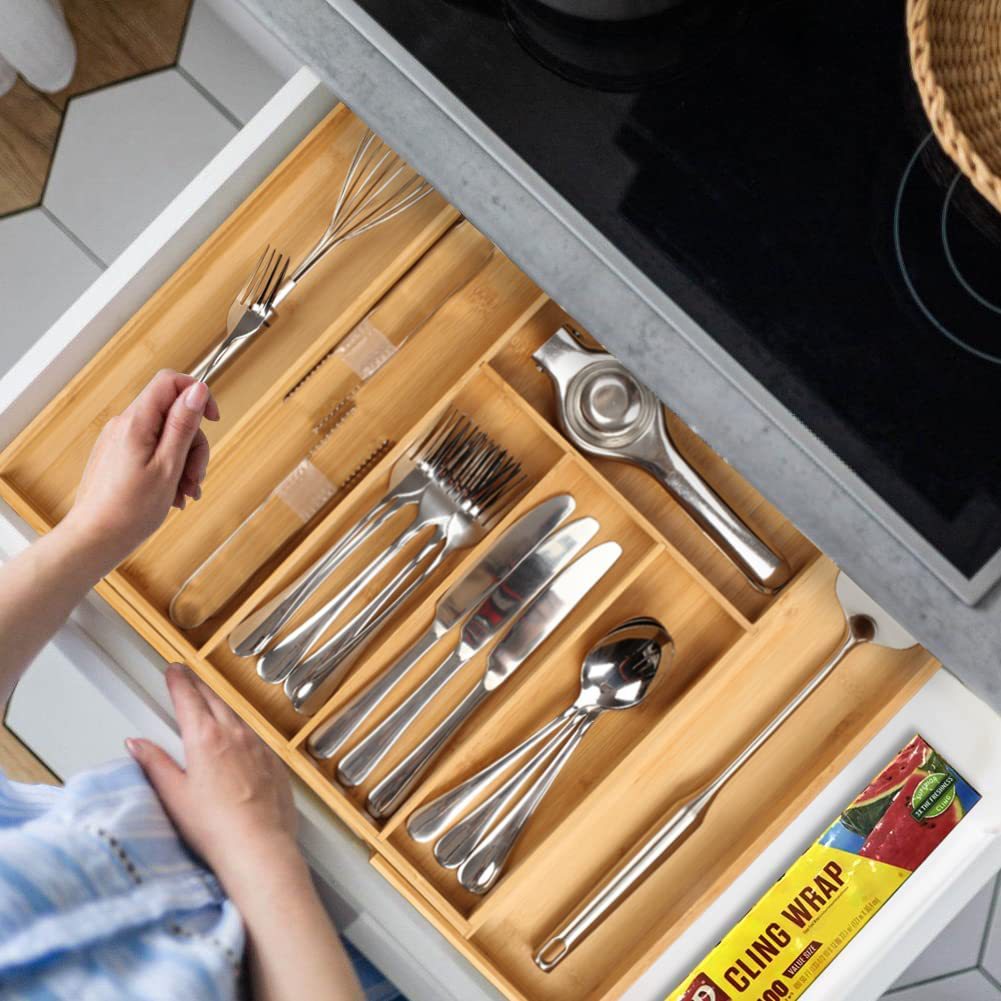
903	814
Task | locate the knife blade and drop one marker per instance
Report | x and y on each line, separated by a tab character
516	543
506	599
541	616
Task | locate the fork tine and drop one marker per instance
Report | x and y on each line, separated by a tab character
277	279
242	295
260	278
274	262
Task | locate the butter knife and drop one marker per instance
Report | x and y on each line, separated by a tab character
545	612
505	600
453	606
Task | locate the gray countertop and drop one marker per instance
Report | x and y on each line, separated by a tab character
593	281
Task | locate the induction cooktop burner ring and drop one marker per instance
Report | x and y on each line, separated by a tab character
947	251
947	247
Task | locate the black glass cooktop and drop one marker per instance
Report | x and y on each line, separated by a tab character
769	166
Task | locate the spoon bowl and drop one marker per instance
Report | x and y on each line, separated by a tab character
619	669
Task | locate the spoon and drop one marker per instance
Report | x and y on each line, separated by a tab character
616	674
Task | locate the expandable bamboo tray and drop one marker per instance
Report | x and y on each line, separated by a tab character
739	654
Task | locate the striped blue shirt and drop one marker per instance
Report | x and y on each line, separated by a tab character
100	900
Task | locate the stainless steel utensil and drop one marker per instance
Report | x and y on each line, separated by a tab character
605	411
865	622
252	308
432	819
616	674
539	619
453	606
377	187
505	600
409	478
461	504
465	475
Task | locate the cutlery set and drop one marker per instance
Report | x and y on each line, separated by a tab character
458	483
526	584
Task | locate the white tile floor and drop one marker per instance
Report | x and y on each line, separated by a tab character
125	152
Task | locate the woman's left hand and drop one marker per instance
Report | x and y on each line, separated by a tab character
232	802
148	458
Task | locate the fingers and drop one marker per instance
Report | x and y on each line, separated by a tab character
180	426
196	704
165	775
147	413
220	711
195	467
189	705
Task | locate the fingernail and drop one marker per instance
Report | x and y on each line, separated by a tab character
133	747
196	396
198	493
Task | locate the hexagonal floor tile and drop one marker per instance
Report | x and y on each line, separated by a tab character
43	272
125	152
957	946
969	986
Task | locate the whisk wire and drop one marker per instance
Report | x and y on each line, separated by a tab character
371	194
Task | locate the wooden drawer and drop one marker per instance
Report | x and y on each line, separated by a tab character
740	654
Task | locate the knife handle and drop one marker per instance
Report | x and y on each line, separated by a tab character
329	738
392	790
356	766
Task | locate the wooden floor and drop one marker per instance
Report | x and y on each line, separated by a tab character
116	40
19	764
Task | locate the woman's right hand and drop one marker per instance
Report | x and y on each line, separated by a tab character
232	802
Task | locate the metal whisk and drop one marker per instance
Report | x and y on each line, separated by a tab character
378	186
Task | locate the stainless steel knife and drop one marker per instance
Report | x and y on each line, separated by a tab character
501	605
455	604
546	611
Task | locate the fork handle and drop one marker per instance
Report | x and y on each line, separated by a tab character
352	639
259	628
337	654
281	661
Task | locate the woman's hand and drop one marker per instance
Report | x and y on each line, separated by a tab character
232	802
150	457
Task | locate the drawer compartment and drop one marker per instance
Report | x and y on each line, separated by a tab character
739	654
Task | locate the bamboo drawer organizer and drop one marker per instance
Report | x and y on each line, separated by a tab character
739	654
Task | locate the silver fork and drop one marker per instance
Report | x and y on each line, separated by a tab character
253	306
461	512
408	480
378	186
